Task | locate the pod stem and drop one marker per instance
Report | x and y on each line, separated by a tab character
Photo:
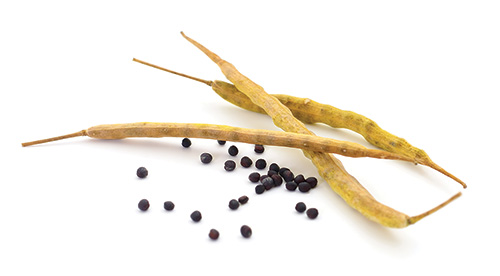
414	219
207	82
71	135
443	171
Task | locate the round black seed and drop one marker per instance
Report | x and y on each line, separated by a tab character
142	172
213	234
221	142
143	205
299	178
304	187
234	204
243	199
259	189
300	207
196	216
186	142
246	231
287	175
233	150
206	158
274	167
291	186
229	165
246	162
259	148
271	172
277	180
168	205
313	181
260	164
254	177
281	170
312	213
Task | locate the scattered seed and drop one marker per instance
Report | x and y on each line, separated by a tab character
243	199
277	180
206	158
213	234
221	142
246	162
291	186
254	177
229	165
312	213
313	181
168	205
299	178
233	150
260	164
143	205
274	167
304	187
287	175
259	189
246	231
142	172
300	207
196	216
234	204
268	182
259	148
186	142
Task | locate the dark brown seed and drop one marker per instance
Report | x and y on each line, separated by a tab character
268	182
291	186
300	207
313	181
168	205
259	189
234	204
271	172
196	216
304	187
287	175
259	148
277	180
243	199
246	231
246	162
143	205
312	213
299	178
254	177
221	142
281	170
206	158
229	165
260	164
186	142
213	234
233	150
274	167
142	172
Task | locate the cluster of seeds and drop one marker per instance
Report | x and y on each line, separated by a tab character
311	213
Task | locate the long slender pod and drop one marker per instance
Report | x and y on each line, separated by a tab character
329	167
227	133
310	112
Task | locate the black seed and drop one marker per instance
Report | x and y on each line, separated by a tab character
143	205
246	231
277	180
186	142
271	172
304	187
221	142
233	150
243	199
259	148
300	207
274	167
291	186
287	175
234	204
229	165
254	177
168	205
312	213
281	170
206	158
196	216
246	162
263	176
260	164
268	182
313	181
213	234
299	178
259	189
142	172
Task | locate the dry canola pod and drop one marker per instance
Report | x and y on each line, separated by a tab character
310	112
329	167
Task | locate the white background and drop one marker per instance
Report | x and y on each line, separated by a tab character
427	71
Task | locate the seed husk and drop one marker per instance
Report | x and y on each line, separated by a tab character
143	205
142	172
229	165
196	216
206	158
300	207
234	204
246	231
186	142
213	234
168	205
